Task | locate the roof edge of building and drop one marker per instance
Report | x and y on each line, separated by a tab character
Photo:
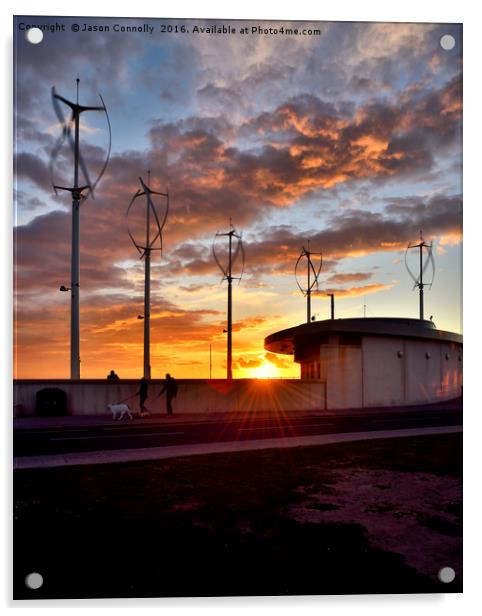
283	341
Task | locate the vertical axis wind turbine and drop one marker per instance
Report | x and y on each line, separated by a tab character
312	274
227	271
78	197
145	250
418	280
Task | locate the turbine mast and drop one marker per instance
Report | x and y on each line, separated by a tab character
233	238
78	196
418	280
312	274
153	228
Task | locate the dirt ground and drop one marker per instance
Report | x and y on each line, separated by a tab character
351	518
417	515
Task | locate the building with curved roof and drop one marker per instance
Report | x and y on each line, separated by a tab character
373	362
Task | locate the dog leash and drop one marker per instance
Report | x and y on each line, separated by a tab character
125	399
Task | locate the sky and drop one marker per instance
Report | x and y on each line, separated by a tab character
348	141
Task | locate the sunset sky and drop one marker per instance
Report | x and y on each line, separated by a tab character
349	140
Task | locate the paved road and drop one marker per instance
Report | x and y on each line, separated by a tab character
137	435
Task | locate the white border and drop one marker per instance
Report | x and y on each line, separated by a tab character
348	10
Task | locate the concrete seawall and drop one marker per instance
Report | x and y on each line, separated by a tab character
91	397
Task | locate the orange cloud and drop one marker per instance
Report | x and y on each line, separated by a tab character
349	277
307	146
357	291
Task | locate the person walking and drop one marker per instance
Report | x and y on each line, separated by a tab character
170	387
142	393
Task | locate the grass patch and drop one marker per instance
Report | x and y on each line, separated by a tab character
211	525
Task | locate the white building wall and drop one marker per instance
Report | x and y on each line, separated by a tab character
375	375
341	370
451	373
383	372
423	371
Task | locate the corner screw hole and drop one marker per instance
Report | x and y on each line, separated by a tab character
446	575
34	581
447	42
34	36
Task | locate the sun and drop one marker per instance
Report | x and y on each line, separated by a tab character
266	371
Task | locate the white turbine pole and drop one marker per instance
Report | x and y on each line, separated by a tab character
147	289
145	250
418	280
311	282
75	264
76	191
228	275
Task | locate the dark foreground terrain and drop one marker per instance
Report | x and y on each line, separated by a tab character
366	517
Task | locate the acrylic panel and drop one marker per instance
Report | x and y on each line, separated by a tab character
238	335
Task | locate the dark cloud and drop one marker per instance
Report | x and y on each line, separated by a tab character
294	122
31	167
437	215
307	146
355	232
99	60
28	203
364	85
348	233
218	98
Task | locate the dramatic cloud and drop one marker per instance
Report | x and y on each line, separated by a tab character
248	363
344	278
357	291
277	360
350	138
33	168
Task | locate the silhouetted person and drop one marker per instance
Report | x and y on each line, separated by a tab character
112	376
170	387
142	393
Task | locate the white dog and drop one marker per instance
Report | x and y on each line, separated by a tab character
122	409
